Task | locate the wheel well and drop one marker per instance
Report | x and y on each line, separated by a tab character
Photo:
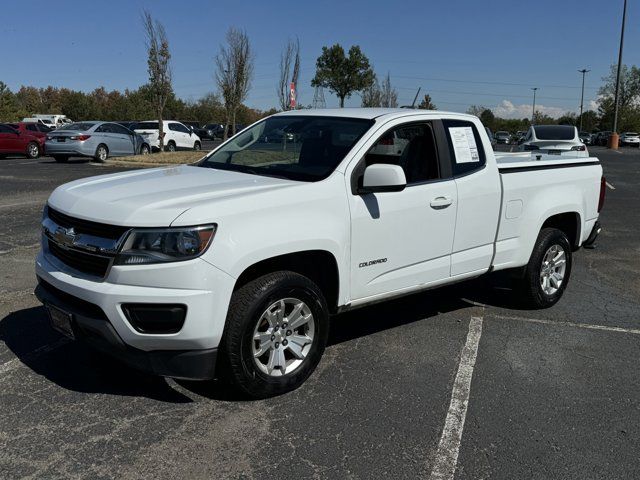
569	223
102	145
319	266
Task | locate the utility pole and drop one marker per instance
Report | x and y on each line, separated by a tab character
613	140
533	112
583	72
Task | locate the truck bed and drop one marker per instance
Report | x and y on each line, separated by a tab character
539	189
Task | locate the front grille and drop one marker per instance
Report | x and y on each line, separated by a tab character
83	262
88	227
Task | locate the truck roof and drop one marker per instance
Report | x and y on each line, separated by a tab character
368	113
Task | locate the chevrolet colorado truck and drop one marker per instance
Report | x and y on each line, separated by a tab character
233	265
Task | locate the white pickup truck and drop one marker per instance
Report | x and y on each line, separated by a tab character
232	266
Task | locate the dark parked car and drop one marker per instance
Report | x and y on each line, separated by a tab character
503	137
195	128
17	142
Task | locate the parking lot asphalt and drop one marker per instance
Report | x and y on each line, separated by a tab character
553	393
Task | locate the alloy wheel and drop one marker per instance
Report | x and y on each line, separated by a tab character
552	270
283	337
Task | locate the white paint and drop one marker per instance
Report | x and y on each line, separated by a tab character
610	186
560	323
446	459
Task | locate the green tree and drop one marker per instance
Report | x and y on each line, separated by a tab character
590	120
568	118
9	108
487	118
427	104
342	74
476	110
629	99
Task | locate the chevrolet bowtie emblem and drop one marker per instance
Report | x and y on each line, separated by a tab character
64	236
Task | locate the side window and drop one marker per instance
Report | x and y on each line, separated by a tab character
119	129
32	127
465	147
181	128
411	146
174	127
5	129
104	128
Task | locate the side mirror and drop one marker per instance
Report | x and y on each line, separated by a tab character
383	177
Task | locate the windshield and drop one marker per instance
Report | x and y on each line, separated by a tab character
631	134
296	147
555	132
80	126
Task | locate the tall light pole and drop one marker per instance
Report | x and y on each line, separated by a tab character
615	111
583	72
533	112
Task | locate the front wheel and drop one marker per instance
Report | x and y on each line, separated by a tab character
144	149
276	332
549	268
171	147
197	146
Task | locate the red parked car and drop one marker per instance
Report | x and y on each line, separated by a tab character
18	142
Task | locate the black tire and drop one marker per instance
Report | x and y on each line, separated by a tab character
102	153
171	146
61	158
145	149
197	146
33	150
246	308
532	291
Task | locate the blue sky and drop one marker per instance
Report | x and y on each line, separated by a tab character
461	52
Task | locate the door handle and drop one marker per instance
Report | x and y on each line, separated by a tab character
441	202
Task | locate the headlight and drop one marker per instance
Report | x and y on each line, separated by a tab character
160	245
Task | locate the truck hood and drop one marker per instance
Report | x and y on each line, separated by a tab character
155	197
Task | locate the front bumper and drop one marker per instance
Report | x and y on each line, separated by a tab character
90	325
203	289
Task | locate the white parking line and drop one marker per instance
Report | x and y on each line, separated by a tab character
559	323
446	458
610	186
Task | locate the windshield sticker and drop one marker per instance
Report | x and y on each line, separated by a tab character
464	144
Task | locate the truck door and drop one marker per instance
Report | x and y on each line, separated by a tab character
479	196
402	239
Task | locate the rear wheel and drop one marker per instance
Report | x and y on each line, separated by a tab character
276	332
102	153
61	158
144	149
549	268
197	146
33	150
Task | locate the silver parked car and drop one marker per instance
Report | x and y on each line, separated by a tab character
99	140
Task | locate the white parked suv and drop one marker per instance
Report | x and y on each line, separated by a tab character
232	266
177	136
630	138
560	140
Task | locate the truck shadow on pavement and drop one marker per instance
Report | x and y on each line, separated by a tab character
79	368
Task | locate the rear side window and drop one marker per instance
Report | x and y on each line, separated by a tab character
465	147
32	127
555	132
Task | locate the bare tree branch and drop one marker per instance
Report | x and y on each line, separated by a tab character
158	67
234	72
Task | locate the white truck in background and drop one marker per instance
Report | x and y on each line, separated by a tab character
232	266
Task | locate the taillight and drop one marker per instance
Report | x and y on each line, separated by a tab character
579	148
531	147
80	138
603	189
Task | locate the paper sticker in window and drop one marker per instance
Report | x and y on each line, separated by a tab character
464	144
